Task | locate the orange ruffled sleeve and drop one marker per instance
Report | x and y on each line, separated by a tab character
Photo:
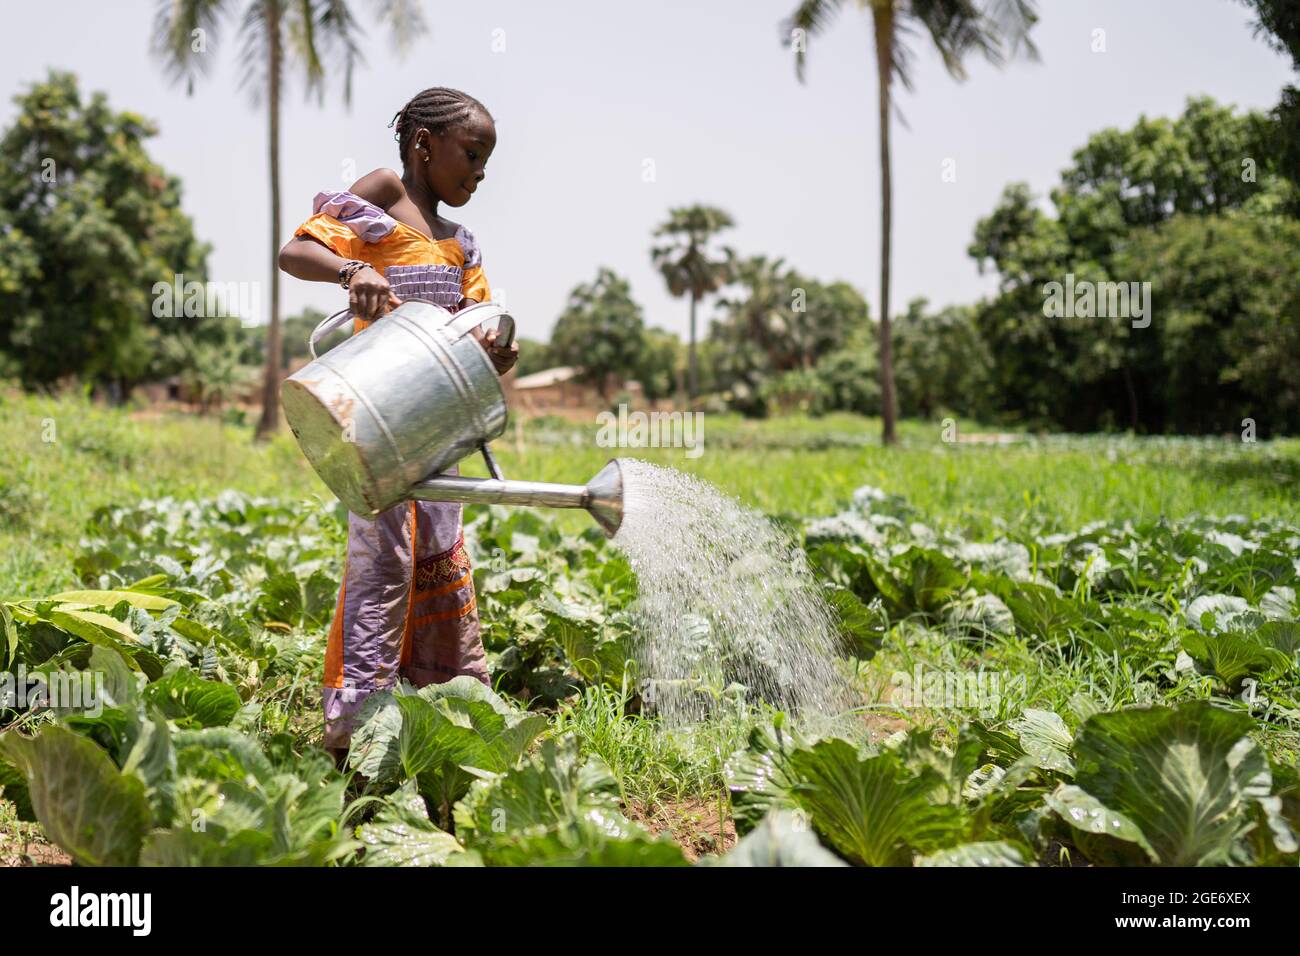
474	285
473	281
338	237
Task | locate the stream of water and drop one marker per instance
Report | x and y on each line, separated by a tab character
728	608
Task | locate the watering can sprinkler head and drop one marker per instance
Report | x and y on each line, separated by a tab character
602	497
605	497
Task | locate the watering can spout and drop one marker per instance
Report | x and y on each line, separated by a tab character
602	497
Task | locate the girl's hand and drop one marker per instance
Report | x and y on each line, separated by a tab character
503	359
369	295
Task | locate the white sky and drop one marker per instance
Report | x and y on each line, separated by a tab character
586	90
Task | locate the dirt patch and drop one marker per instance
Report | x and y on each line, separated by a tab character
693	824
881	726
25	845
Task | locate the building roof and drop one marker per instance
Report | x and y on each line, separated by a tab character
550	376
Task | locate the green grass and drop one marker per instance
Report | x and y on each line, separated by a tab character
68	456
1058	483
651	764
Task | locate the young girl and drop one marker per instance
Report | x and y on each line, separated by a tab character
406	607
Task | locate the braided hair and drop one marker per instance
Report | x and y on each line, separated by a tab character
435	109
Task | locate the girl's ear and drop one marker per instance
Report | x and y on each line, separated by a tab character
422	144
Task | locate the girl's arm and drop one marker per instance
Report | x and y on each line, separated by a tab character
305	257
369	295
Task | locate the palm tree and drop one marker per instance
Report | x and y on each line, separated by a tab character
688	265
275	34
994	28
763	315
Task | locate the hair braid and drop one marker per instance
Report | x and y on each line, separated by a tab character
435	109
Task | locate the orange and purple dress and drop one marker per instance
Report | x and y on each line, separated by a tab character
406	606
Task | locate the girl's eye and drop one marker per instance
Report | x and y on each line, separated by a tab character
472	155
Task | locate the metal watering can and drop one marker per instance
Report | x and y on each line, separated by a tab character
381	415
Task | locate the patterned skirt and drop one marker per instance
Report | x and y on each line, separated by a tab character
406	607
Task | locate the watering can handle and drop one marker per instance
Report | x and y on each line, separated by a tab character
468	318
326	326
458	326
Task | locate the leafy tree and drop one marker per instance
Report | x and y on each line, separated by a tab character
689	266
601	331
275	35
297	330
1036	358
766	313
1122	187
793	319
1287	141
796	390
957	28
943	362
88	224
661	362
851	379
778	322
1278	22
1206	161
212	370
737	367
1228	290
835	315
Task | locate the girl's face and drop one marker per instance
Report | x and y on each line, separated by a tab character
456	158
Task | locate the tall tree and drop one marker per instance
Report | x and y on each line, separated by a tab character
1278	23
996	29
690	267
90	229
275	35
601	332
1121	187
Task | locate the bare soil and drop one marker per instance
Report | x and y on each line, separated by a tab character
24	844
693	824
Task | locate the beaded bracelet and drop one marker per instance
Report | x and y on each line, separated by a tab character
350	269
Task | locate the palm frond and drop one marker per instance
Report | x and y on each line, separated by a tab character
996	29
1013	19
258	29
957	27
405	21
341	34
812	17
173	37
300	36
902	52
